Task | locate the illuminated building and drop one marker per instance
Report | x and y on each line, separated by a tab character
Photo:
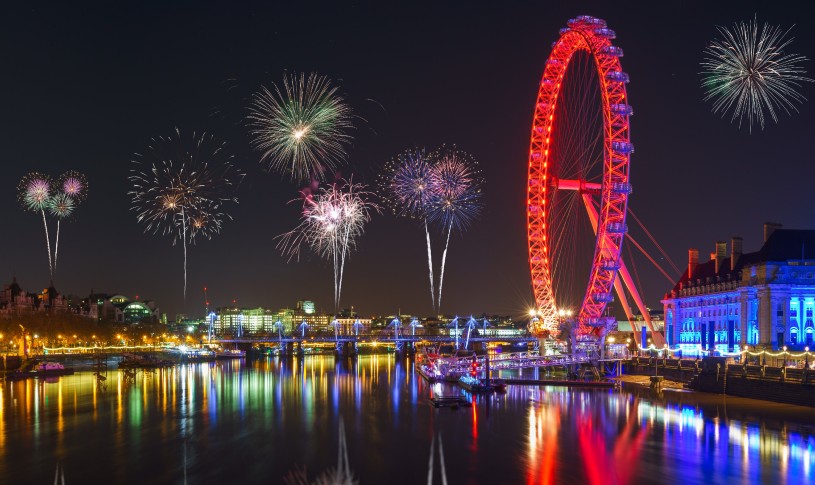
258	321
307	306
765	298
13	300
120	309
243	321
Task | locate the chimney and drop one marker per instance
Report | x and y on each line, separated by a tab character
693	261
718	256
735	251
769	228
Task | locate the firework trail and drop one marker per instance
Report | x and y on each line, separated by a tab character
182	188
35	193
74	187
747	71
457	202
330	225
407	188
302	129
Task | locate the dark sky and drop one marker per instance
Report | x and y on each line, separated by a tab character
85	88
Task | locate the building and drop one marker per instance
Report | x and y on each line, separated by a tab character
764	299
14	300
259	321
637	323
120	309
243	321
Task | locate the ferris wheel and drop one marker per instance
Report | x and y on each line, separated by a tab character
578	181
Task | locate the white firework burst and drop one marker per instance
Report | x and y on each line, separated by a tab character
301	130
748	73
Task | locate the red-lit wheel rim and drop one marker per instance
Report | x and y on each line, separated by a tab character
591	36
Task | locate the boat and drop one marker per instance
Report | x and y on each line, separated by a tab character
499	385
40	370
136	361
474	385
428	371
186	355
442	401
229	354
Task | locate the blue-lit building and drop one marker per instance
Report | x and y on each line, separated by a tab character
764	299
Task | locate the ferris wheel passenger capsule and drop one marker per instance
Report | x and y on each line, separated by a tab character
607	33
602	297
617	228
622	109
618	76
612	50
623	147
621	188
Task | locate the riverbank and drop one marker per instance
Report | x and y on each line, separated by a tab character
645	381
723	406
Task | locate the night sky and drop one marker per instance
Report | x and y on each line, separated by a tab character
85	88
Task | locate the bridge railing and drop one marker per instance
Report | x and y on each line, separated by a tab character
511	360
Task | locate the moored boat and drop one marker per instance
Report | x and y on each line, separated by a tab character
229	354
41	369
474	385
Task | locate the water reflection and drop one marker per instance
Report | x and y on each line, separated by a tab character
256	421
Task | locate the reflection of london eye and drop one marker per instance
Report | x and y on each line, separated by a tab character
578	166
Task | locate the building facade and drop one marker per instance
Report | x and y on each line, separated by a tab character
120	309
763	299
264	321
15	301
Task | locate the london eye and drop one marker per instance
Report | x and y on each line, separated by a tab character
578	179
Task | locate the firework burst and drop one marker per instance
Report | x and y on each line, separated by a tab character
302	129
74	190
74	185
35	193
407	184
61	205
182	187
408	189
38	193
442	187
330	225
457	184
747	73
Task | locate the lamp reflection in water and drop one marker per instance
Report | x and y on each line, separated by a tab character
544	425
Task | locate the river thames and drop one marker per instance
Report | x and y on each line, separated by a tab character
257	421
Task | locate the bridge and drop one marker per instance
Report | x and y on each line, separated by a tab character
369	338
509	360
343	343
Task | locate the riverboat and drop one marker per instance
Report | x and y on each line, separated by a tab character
474	385
136	361
41	369
441	401
229	354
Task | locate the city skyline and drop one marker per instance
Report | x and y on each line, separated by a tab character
138	74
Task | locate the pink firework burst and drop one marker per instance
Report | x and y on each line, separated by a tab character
74	184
